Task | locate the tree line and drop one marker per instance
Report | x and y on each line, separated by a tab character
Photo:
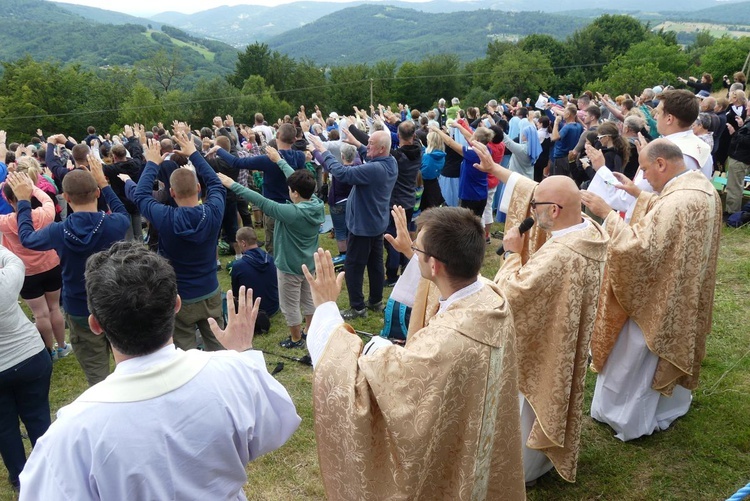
614	54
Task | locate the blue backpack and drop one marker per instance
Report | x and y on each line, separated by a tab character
396	321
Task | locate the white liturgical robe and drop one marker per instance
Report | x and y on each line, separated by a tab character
168	425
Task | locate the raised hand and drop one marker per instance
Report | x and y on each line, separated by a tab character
21	184
402	241
186	143
273	154
326	285
240	329
152	151
595	203
95	166
486	164
225	180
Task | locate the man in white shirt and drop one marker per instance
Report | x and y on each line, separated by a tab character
675	114
167	424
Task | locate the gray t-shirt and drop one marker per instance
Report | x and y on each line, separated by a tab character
19	339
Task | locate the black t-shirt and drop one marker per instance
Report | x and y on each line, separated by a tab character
453	160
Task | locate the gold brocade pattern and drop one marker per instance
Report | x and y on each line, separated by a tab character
661	272
405	422
554	296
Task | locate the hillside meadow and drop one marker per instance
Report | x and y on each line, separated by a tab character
703	456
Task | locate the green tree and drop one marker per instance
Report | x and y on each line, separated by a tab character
47	96
254	61
141	106
520	73
164	70
601	42
349	85
725	56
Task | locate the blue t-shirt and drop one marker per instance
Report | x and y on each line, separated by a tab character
569	136
472	182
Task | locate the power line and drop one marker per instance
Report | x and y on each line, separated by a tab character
327	85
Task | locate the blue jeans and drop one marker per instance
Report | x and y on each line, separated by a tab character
24	393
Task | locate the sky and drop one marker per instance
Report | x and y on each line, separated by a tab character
145	8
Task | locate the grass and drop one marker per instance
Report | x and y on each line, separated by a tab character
203	51
705	455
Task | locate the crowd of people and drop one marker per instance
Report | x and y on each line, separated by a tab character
117	238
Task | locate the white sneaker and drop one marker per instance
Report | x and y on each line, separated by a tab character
65	351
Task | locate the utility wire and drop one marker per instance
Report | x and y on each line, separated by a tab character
313	87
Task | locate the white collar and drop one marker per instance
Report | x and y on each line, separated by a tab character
139	364
680	134
571	229
460	294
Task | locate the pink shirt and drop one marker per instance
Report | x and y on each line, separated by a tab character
36	261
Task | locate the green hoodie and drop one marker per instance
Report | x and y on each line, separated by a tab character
295	237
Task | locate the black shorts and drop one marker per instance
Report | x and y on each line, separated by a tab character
35	286
476	206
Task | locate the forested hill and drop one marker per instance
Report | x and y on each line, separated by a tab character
45	30
370	33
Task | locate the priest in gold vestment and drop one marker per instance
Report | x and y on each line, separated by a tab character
437	418
657	297
552	281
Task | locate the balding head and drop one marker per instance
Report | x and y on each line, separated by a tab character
379	144
564	203
661	160
708	104
166	145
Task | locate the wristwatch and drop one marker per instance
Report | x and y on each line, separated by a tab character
507	253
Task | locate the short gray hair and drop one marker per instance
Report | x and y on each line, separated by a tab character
634	123
348	153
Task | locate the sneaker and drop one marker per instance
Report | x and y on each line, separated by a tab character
65	351
351	313
377	307
390	283
53	355
304	335
340	259
288	343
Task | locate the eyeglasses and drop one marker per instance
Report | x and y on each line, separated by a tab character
415	249
600	136
534	203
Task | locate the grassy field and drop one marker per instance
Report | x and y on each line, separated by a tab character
716	30
704	456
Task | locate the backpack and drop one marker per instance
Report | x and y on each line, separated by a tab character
741	218
396	321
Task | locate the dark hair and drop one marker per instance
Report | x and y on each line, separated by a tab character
499	134
302	182
8	192
455	237
90	129
406	130
681	104
132	293
333	135
594	110
544	121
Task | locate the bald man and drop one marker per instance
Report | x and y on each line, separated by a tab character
657	297
367	214
552	278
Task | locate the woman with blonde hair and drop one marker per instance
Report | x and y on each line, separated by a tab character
433	161
31	166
